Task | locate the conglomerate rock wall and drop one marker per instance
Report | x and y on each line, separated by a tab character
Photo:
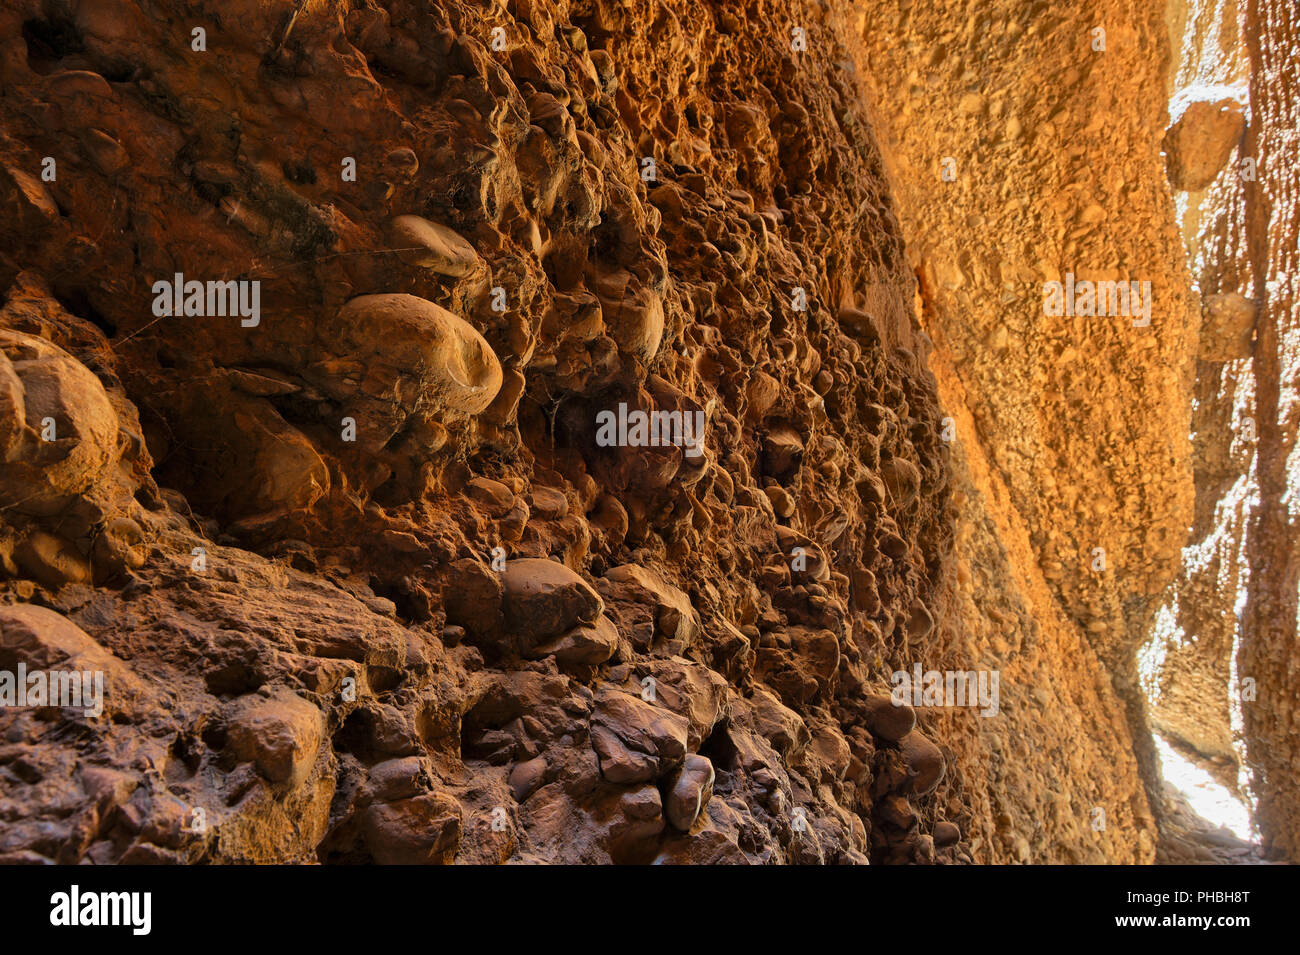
367	579
1013	163
366	530
1025	145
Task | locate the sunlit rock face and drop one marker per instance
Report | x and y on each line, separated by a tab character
1069	412
1218	653
591	432
1081	424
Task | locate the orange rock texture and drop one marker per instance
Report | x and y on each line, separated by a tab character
550	431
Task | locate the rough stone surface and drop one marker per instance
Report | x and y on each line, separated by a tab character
368	585
1219	655
1068	433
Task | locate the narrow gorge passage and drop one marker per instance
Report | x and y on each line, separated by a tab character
593	432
